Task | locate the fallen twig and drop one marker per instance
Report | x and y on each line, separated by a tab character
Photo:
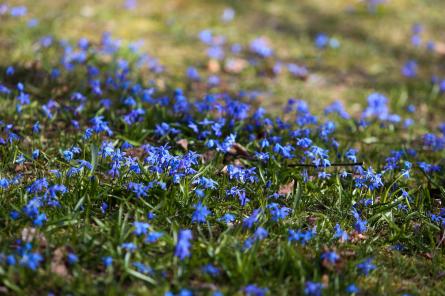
332	164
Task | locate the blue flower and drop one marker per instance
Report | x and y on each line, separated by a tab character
411	108
38	221
264	143
185	292
131	247
130	4
410	69
213	80
151	215
192	74
35	154
183	245
319	156
398	247
215	52
14	215
140	228
36	128
427	167
370	180
240	193
72	258
10	260
227	143
20	159
297	71
261	47
142	268
242	175
321	41
277	212
228	14
139	189
313	288
323	175
207	183
153	236
107	261
206	36
252	219
68	155
433	142
284	151
18	11
4	183
351	155
211	270
304	142
37	186
200	214
227	218
340	233
366	266
302	237
254	290
332	257
261	233
10	71
236	48
31	260
352	289
377	106
165	129
99	125
360	224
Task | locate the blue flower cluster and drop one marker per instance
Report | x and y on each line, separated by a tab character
201	181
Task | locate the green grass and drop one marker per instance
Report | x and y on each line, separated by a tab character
374	46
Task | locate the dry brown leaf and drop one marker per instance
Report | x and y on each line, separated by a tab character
325	280
347	253
208	156
439	47
355	236
286	188
427	256
24	168
59	91
183	143
239	150
213	66
58	265
201	285
160	84
237	162
235	65
30	234
135	152
311	220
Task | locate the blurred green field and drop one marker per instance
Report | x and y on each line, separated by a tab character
373	47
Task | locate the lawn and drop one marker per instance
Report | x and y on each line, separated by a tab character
222	147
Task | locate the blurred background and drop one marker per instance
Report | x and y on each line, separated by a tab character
318	50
